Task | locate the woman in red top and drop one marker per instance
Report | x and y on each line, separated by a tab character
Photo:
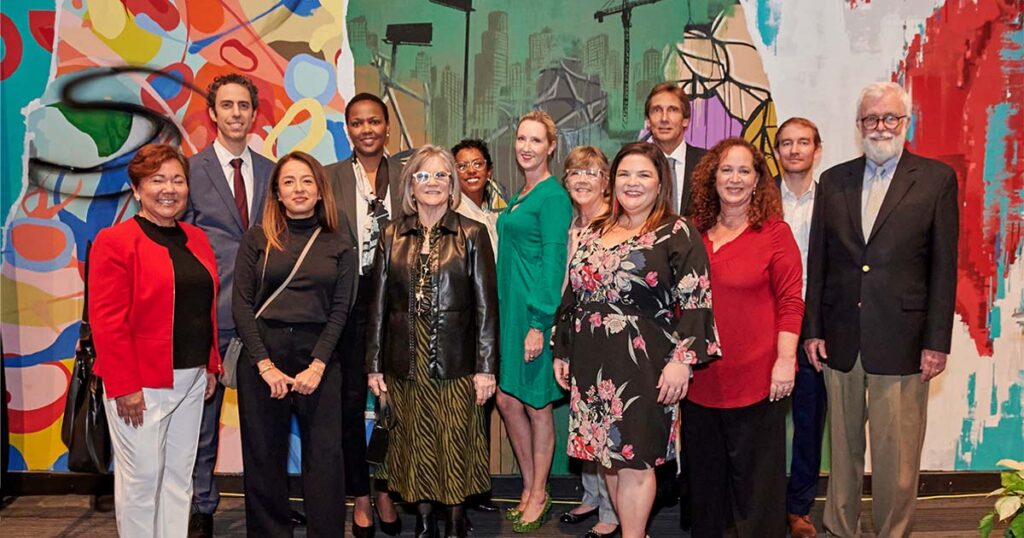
734	425
153	307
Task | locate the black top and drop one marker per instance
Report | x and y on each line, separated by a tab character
322	290
193	296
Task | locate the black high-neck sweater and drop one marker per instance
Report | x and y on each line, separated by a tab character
322	290
193	296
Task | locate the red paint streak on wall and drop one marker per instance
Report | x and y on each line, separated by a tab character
955	73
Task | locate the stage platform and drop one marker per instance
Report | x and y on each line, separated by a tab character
72	516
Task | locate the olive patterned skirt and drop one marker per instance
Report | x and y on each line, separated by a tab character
437	448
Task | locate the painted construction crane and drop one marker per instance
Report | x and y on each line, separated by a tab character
626	9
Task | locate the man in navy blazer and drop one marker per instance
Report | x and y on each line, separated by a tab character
881	290
227	188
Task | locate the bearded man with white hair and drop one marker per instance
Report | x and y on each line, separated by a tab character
881	286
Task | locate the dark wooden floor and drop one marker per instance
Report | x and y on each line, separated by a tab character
71	515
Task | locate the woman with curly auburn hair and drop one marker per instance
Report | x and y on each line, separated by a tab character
734	422
635	321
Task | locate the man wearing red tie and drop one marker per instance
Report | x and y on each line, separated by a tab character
227	189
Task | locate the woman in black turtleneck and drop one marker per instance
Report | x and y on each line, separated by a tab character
290	349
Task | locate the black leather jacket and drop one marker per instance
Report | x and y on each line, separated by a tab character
463	339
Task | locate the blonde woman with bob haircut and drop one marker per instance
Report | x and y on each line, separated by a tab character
532	237
294	286
431	348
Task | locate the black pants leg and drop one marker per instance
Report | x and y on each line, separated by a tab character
319	417
757	459
265	426
705	444
352	356
737	468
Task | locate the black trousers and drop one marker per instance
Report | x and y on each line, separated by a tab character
266	427
737	468
352	356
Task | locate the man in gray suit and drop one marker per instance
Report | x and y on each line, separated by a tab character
227	187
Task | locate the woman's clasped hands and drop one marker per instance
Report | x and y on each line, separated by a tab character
281	384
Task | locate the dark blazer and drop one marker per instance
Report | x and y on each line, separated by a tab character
891	296
131	307
343	183
464	336
211	206
693	156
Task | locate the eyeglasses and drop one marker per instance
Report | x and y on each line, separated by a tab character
423	176
588	172
478	165
890	121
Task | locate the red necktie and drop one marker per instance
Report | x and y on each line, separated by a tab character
241	202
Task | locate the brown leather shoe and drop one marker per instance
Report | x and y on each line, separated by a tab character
801	526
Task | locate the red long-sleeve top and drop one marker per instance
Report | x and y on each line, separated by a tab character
756	283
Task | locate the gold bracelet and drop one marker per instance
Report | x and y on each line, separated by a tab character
267	369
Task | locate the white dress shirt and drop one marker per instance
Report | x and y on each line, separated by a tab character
797	211
224	157
678	161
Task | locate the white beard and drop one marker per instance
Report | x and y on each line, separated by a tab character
880	147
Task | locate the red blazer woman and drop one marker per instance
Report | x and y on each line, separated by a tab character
131	307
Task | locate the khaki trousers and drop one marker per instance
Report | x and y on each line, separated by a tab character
896	411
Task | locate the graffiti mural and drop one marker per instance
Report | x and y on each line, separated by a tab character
86	82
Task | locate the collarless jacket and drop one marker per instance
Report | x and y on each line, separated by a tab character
463	338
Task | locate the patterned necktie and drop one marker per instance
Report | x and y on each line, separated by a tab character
241	202
876	193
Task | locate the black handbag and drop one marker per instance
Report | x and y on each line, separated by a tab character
84	430
377	449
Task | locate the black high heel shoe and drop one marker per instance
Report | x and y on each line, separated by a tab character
390	528
426	521
364	532
455	522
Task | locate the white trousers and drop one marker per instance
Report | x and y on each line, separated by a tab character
153	463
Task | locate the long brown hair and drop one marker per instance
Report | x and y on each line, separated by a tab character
765	201
274	223
662	205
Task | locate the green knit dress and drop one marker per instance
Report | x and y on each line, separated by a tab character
532	235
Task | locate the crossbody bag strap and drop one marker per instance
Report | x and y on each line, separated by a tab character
295	269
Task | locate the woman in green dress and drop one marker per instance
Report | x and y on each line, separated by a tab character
532	236
431	348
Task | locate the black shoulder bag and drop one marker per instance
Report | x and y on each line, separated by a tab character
84	430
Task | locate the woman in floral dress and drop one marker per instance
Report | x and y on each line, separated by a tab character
636	318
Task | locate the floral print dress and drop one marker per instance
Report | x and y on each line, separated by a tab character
628	311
